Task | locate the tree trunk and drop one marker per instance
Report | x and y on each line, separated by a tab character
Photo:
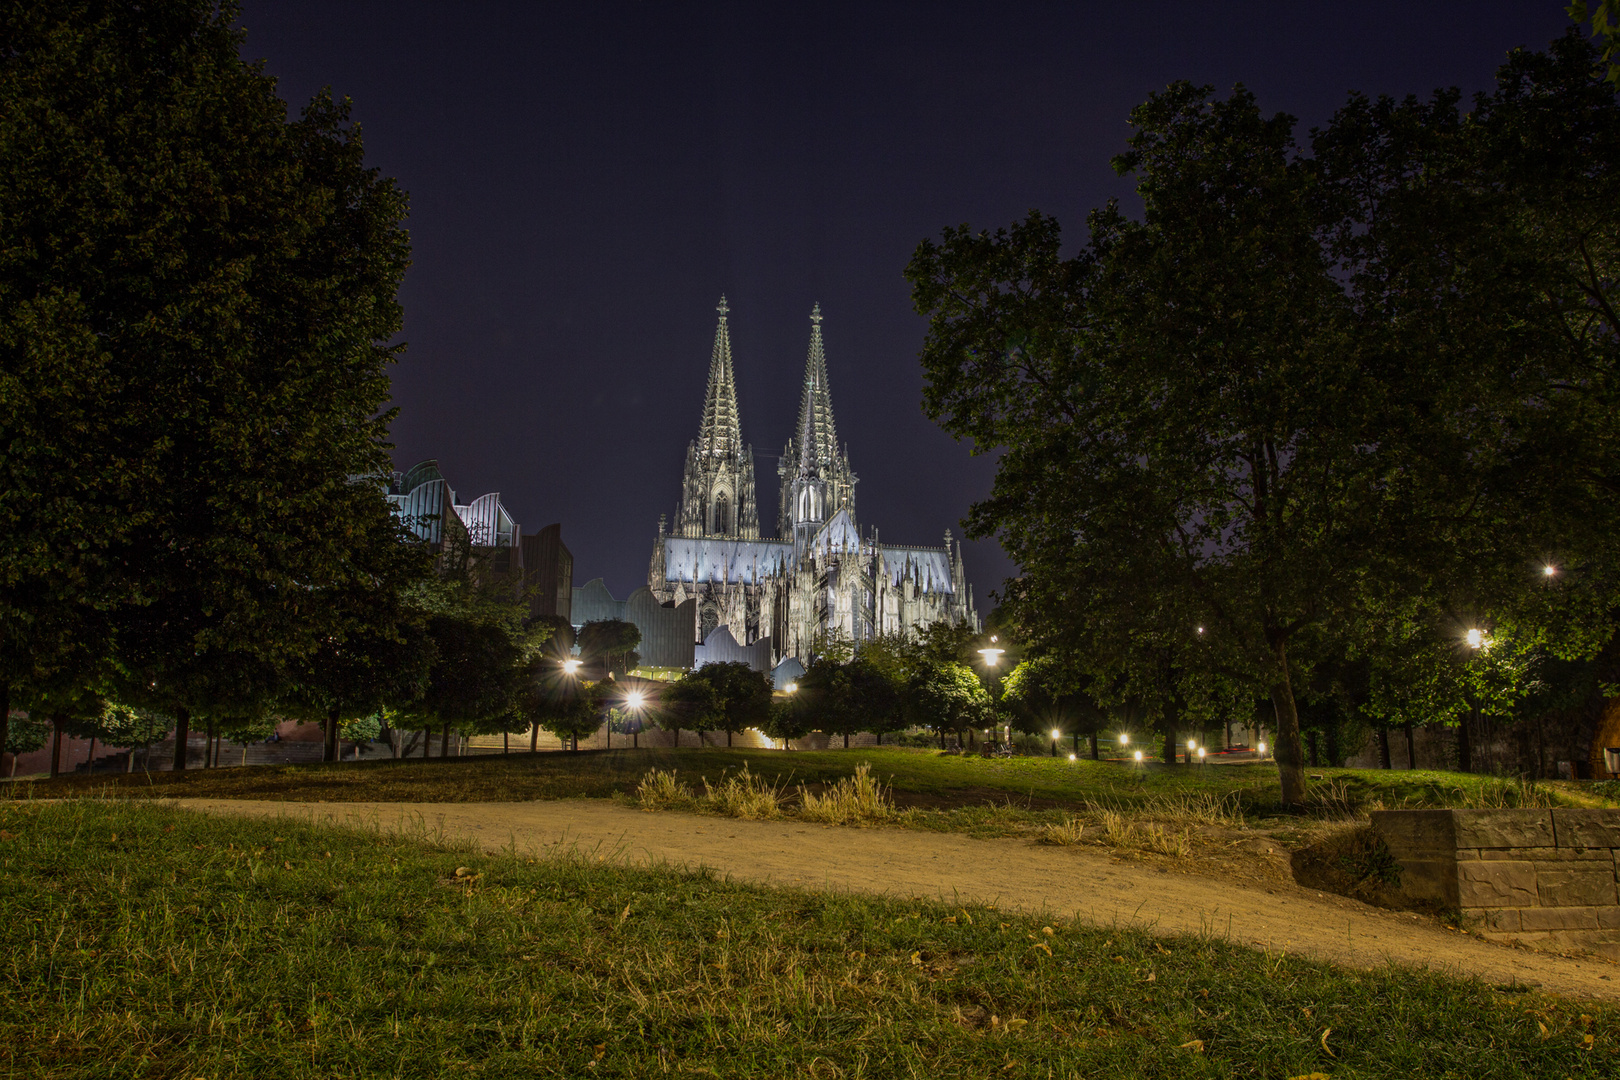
5	723
1383	748
182	734
534	738
129	760
506	742
1170	748
1092	739
573	741
1411	746
208	744
1290	765
90	762
444	741
56	745
846	740
1465	743
329	752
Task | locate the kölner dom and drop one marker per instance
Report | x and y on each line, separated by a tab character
821	576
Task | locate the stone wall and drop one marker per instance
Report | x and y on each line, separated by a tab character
1546	878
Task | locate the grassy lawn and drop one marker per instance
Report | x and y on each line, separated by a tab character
918	778
145	941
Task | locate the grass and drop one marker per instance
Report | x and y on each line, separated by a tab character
916	778
144	941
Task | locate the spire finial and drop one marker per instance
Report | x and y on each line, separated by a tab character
723	306
815	313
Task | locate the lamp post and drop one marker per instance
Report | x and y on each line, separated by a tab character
992	656
636	700
1055	735
1192	746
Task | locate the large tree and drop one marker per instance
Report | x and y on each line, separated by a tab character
196	317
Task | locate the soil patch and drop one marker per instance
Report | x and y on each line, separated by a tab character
1081	882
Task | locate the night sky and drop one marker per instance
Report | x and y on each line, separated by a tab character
587	179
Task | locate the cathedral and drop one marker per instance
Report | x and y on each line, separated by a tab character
819	577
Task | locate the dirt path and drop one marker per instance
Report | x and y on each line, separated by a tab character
1086	883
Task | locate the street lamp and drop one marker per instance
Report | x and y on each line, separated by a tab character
1476	638
571	667
1549	570
791	688
1055	734
1139	757
1262	748
1192	744
1200	755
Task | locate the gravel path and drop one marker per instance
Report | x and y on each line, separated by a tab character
1086	883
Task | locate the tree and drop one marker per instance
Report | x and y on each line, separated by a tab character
1043	696
1604	16
24	735
1304	391
610	643
206	341
947	697
740	697
691	702
849	697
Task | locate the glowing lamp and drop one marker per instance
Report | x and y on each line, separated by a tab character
636	699
570	666
1139	757
1549	570
1476	638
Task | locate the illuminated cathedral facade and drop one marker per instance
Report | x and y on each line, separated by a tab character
781	597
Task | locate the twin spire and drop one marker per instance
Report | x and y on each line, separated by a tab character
720	435
817	434
719	497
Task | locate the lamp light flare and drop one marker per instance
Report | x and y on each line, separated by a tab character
1071	757
570	666
1200	753
636	699
1124	738
1549	570
1262	746
1200	629
1056	734
1476	638
1139	757
791	688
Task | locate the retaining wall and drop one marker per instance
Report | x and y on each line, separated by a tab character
1546	878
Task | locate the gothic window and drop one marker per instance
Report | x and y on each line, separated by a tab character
722	513
710	619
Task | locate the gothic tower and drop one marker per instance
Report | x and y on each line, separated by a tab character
717	495
816	478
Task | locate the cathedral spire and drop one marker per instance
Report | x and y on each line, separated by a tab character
720	435
817	435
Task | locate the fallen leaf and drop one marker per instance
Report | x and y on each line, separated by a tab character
1152	977
1048	931
950	918
1311	1076
1587	1040
1325	1033
1015	1025
916	959
1043	946
1543	1028
1195	1045
286	865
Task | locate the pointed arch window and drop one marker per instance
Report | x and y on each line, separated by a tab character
722	513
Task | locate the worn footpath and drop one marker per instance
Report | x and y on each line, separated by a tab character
1085	883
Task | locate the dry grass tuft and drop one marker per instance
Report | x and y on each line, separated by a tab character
660	790
743	795
852	800
1069	832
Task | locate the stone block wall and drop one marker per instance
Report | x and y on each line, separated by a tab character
1546	878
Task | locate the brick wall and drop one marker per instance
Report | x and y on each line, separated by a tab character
1546	878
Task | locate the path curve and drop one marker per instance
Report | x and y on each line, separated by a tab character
1083	882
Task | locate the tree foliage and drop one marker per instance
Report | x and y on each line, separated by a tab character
1305	395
